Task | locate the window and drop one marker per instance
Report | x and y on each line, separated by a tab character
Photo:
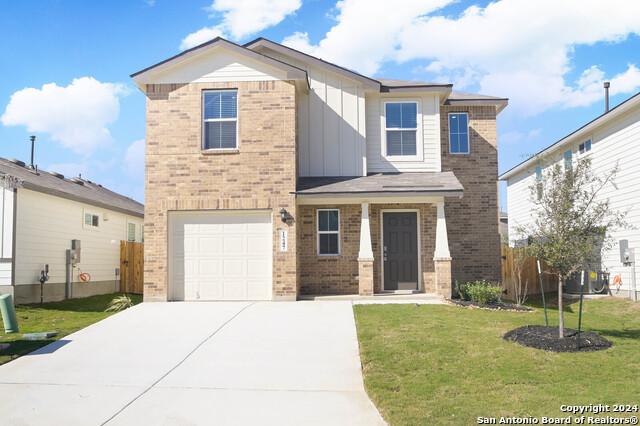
401	127
568	162
91	220
328	232
142	233
220	120
539	174
539	182
585	147
131	232
459	133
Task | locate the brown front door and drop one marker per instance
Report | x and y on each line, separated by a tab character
400	250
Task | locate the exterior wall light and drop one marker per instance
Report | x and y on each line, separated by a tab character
283	215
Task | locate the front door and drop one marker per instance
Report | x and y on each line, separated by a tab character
400	250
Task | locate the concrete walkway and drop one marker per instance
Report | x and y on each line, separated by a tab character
197	363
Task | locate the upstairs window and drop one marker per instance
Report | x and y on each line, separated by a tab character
539	182
91	220
131	232
401	128
329	232
459	133
220	120
585	147
568	161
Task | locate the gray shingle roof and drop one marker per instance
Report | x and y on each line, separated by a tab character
435	184
89	192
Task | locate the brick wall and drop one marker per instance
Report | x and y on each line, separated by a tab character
472	221
259	175
336	274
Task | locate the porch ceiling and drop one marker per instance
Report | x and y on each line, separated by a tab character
401	185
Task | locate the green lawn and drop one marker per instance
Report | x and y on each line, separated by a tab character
66	316
437	364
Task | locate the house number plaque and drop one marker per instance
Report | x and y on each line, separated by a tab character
284	240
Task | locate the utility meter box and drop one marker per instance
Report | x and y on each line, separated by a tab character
74	253
624	251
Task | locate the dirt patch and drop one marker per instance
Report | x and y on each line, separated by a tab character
493	306
546	338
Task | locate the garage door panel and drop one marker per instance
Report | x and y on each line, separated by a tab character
221	256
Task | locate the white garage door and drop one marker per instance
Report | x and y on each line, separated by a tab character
220	256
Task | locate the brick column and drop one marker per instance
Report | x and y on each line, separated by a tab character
443	276
365	271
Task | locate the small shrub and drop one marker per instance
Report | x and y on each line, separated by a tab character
463	290
483	292
119	303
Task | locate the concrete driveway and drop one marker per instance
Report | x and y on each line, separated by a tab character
197	363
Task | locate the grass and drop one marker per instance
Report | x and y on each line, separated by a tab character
437	364
67	317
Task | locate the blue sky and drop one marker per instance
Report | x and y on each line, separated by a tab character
65	64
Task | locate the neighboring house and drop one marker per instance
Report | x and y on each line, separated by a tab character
610	139
504	226
41	213
272	174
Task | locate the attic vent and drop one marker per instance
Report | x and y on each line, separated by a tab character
18	162
56	174
77	180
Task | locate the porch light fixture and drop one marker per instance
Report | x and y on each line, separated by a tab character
283	215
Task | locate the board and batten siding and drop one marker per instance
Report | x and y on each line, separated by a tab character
428	124
331	123
45	227
6	235
219	65
615	142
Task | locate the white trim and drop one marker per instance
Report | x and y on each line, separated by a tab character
419	130
370	200
468	135
217	120
318	232
419	243
135	232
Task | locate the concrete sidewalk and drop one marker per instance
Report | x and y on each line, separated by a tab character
197	363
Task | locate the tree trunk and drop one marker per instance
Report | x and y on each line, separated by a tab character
560	308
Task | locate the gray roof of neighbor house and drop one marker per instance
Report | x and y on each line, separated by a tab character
612	114
75	189
431	184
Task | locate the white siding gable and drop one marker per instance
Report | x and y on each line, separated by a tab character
218	65
331	123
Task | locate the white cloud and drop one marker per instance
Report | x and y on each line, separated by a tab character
512	138
76	116
514	48
241	18
134	160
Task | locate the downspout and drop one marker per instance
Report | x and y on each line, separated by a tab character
13	241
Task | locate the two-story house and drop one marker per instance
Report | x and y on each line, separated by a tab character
272	174
608	141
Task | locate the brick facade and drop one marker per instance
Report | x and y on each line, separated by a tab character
473	221
261	174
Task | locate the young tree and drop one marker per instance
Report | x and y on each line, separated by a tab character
572	224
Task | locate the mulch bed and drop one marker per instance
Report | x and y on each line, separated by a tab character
493	306
546	338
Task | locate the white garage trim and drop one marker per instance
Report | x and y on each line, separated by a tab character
220	255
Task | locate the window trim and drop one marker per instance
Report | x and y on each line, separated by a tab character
419	156
319	232
468	135
212	120
93	213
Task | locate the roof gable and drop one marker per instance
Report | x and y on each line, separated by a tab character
212	60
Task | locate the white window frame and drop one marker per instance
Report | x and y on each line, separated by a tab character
419	130
582	147
92	213
319	232
213	120
468	134
135	232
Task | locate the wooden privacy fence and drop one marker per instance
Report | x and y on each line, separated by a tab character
131	267
529	274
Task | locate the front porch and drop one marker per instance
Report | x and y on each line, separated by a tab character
392	235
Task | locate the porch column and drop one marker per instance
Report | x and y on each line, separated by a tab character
365	255
442	256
